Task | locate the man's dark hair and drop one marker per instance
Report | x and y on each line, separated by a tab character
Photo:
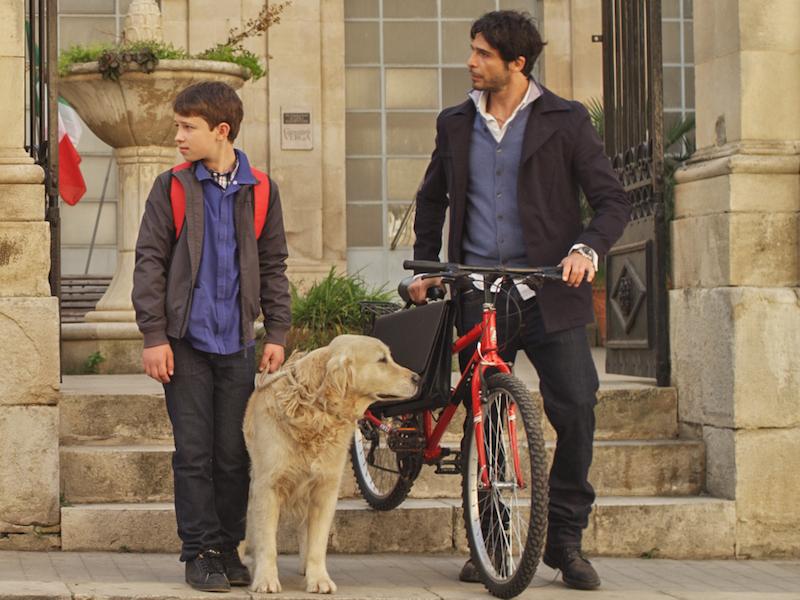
214	101
512	34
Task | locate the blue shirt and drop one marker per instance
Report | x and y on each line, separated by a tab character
215	316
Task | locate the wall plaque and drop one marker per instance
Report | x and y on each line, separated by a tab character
296	129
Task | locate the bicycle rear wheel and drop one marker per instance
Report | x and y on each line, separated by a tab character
384	477
506	522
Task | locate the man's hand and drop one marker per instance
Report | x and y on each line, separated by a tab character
575	267
272	358
159	362
418	290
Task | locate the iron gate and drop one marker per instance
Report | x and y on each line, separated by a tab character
41	132
636	298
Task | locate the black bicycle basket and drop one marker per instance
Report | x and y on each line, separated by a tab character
420	339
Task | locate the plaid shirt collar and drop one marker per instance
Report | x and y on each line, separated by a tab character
223	180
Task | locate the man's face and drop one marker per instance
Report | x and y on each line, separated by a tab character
195	139
488	70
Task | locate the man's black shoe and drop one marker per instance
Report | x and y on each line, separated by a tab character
469	573
205	572
576	571
237	573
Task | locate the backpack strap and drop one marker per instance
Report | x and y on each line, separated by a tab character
177	198
260	201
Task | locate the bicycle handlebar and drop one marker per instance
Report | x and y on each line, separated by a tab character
455	270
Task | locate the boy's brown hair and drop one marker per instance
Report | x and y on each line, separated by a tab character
215	102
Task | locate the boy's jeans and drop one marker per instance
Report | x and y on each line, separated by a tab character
206	400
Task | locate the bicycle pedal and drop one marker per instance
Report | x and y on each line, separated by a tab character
449	467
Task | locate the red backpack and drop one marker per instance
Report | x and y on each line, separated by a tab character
177	197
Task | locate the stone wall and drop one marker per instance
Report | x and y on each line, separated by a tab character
29	507
735	306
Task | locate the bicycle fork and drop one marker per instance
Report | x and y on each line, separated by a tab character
487	352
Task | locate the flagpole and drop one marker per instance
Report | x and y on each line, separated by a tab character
97	219
51	73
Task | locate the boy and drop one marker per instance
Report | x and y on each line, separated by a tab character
197	287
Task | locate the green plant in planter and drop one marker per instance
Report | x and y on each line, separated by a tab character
114	59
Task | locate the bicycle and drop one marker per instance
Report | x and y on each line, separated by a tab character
503	465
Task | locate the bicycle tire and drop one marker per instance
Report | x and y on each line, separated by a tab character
395	482
493	518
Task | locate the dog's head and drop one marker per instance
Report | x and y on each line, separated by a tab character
362	367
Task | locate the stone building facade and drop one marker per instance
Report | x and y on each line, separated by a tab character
372	74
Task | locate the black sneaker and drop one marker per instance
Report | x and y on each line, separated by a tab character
205	572
576	571
237	573
469	573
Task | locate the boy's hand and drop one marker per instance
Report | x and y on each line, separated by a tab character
159	362
272	358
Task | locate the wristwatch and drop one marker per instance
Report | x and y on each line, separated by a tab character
585	251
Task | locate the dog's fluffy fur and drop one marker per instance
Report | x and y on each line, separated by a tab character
298	427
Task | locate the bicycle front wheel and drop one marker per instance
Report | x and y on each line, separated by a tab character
506	522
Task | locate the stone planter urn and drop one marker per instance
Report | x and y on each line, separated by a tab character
134	116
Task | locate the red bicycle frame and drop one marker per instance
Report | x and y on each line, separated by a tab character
484	357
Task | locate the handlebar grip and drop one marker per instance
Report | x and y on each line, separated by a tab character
434	293
430	266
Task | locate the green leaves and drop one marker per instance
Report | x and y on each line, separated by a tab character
113	59
329	308
237	55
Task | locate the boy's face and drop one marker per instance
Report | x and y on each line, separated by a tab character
196	140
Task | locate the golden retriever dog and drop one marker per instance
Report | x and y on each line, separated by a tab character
298	428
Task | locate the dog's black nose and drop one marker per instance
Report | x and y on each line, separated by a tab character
415	379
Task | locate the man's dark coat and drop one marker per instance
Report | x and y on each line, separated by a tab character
560	153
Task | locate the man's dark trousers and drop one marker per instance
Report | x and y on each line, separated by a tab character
206	400
568	382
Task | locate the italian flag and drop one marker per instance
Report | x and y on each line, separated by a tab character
71	185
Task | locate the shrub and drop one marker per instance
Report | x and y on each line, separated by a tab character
329	308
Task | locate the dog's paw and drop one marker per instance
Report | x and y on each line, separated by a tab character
320	585
266	585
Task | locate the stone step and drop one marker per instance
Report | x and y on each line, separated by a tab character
680	528
640	412
139	473
113	418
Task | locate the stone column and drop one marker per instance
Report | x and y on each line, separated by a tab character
735	303
311	181
138	168
572	65
29	378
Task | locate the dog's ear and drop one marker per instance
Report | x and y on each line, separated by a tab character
310	374
338	376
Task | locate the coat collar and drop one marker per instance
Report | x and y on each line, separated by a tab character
540	126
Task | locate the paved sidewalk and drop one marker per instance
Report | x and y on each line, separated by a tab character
119	576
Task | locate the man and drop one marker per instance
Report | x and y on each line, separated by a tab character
509	163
